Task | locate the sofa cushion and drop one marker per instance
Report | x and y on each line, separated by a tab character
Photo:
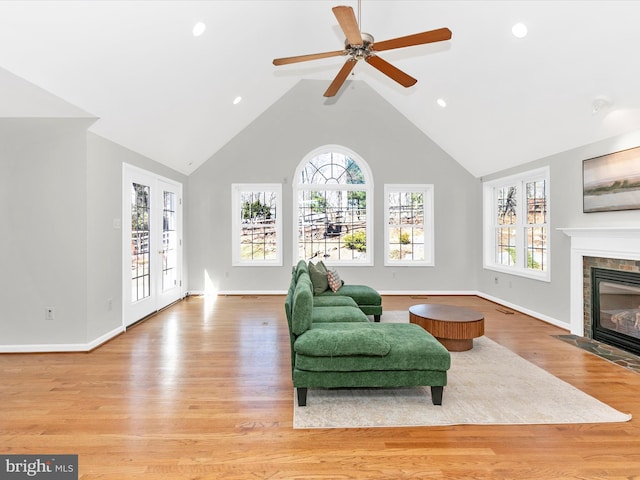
305	279
332	343
334	301
302	308
318	278
362	294
288	303
301	268
412	348
333	314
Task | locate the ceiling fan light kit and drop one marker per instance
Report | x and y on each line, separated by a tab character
361	46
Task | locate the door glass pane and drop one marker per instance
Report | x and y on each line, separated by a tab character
140	234
169	241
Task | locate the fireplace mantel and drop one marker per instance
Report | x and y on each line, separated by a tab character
606	242
602	232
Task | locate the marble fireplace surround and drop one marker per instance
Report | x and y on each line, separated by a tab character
600	242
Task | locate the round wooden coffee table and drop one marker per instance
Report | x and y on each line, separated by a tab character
454	327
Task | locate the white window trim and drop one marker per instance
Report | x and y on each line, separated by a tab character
236	189
367	186
490	215
429	229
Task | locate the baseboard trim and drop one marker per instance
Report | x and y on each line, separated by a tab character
105	338
237	292
526	311
95	343
63	347
425	293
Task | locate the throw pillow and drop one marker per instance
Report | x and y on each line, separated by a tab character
318	279
334	280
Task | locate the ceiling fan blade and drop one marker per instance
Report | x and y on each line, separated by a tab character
304	58
416	39
341	77
390	71
347	20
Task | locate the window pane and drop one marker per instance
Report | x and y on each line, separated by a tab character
537	248
506	246
536	202
332	224
405	217
258	236
331	168
507	205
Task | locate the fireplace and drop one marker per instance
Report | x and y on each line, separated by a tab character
615	308
611	248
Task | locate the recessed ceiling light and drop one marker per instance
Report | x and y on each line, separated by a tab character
441	102
198	29
519	30
237	100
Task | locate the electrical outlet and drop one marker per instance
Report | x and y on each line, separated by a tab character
49	313
109	304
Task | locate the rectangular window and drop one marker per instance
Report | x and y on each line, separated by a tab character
516	212
257	226
409	225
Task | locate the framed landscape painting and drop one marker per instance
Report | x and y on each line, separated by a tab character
612	182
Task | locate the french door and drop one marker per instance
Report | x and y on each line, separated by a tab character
152	243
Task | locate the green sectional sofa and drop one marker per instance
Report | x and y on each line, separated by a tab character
333	344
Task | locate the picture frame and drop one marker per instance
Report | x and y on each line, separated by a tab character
611	182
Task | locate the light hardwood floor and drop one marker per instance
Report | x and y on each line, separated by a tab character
203	390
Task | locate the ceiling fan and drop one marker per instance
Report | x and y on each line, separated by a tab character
361	46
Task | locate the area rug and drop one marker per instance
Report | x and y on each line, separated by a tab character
488	385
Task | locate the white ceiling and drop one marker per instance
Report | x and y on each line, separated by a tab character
166	94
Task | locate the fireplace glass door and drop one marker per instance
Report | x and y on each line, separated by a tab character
616	308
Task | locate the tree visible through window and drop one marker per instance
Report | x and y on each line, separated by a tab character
257	226
140	233
333	208
516	233
409	225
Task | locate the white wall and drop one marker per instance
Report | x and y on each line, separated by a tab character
270	149
43	249
60	193
104	240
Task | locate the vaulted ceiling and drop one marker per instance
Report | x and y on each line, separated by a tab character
167	94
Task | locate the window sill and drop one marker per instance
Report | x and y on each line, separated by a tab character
540	276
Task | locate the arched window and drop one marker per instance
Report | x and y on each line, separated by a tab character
333	188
